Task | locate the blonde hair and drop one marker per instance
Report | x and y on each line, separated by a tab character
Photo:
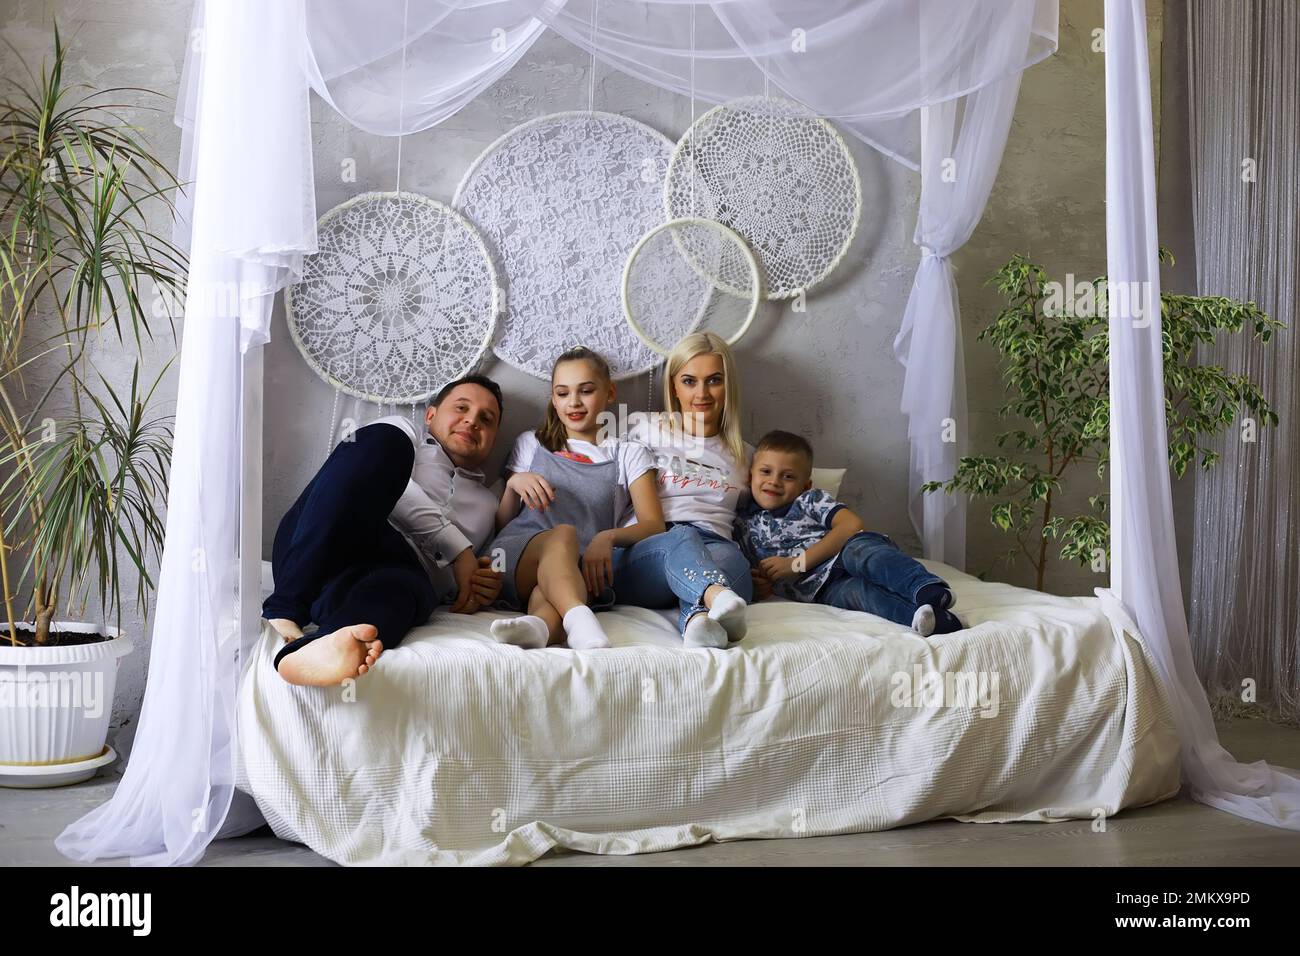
552	434
707	343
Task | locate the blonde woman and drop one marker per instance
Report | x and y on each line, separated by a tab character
703	476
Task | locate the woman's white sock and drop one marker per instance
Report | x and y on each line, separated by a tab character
583	630
703	631
729	611
923	620
527	630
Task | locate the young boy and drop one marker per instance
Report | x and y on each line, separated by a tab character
812	548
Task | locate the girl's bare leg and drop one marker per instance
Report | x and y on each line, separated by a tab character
558	574
541	608
547	567
550	565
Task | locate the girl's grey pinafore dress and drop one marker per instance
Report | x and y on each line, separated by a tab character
585	497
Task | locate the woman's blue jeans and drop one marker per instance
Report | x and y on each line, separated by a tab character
677	567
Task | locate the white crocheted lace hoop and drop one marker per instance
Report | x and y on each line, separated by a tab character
732	267
400	298
777	174
561	200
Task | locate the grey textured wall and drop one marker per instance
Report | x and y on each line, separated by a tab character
828	372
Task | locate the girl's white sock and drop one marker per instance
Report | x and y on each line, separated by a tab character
527	630
729	611
703	631
583	630
923	620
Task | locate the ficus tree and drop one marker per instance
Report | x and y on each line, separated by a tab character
1053	339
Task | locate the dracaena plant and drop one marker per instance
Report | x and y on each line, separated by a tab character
83	463
1055	351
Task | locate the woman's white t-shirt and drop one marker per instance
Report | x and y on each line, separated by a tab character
634	460
699	480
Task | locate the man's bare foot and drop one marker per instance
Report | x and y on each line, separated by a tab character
348	652
285	628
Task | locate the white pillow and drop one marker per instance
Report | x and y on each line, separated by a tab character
828	480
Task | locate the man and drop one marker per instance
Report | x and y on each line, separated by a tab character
388	529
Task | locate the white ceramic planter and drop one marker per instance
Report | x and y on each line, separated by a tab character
55	705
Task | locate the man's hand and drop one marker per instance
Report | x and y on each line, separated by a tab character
762	586
486	583
777	568
533	490
463	568
598	562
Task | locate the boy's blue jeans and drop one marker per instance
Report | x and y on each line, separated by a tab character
678	566
872	575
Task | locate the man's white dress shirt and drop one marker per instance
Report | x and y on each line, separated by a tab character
444	509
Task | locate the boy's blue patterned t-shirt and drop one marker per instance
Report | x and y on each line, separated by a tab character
785	532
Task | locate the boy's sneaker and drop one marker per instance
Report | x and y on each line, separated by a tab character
945	622
938	596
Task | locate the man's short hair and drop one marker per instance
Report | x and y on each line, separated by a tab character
787	442
481	380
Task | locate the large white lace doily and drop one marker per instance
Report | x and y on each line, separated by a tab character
399	300
780	177
689	274
562	200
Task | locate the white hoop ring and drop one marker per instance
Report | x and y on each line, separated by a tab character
754	273
459	201
684	147
495	306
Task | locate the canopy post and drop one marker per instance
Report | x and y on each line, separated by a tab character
250	498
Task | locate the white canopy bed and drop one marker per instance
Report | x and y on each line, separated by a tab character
880	69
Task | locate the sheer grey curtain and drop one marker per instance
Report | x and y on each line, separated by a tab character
1244	101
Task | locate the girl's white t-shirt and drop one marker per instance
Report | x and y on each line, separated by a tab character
634	460
699	480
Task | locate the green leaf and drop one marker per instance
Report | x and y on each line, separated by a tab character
84	209
1055	374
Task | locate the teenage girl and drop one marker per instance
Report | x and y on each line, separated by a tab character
703	476
570	501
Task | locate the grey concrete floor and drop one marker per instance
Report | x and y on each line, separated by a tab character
1174	833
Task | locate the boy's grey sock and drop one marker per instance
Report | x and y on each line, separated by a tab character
923	620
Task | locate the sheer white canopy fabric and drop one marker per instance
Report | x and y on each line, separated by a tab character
405	65
1144	560
245	113
962	144
246	106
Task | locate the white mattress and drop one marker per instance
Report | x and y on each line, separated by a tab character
457	749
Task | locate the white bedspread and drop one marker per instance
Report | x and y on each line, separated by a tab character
456	749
